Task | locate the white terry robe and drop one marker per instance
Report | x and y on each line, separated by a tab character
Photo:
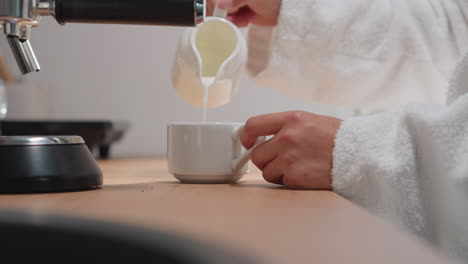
408	165
376	54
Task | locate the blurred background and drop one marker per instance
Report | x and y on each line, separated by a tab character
122	73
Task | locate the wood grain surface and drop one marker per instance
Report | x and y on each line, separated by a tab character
260	219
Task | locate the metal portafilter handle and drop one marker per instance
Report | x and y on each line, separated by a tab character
140	12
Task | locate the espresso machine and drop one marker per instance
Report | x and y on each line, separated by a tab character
64	163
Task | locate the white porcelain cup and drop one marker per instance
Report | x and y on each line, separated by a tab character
207	152
212	57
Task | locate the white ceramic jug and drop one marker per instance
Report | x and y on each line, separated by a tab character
209	62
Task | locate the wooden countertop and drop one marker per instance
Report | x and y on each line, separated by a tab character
275	224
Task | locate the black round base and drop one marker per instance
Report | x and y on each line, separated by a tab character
56	238
48	168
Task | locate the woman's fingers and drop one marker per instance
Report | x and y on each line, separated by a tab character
242	16
230	4
273	172
262	125
264	153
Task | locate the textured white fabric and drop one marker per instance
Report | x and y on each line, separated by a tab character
408	165
373	54
411	166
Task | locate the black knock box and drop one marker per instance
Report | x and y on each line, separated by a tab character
99	135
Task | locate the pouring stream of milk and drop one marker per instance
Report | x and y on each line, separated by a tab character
207	82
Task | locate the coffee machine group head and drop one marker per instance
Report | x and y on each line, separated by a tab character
18	17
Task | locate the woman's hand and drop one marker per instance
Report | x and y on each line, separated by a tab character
300	155
244	12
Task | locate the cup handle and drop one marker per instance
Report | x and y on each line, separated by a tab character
218	12
239	163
